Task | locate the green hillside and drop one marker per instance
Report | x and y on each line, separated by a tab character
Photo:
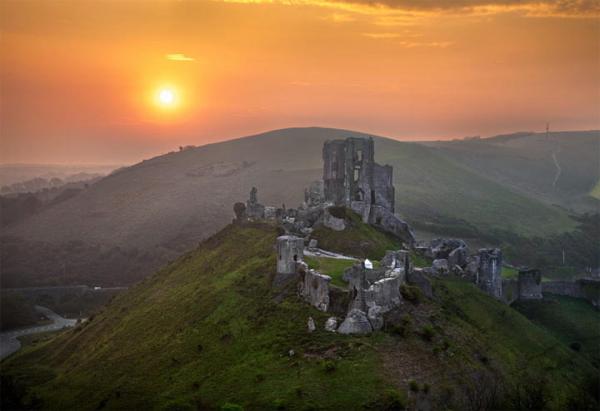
573	321
208	332
434	192
560	168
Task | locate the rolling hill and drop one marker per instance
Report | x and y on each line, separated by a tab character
139	217
209	332
561	168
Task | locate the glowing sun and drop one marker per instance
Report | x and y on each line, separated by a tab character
166	97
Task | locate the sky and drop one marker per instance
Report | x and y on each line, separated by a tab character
81	82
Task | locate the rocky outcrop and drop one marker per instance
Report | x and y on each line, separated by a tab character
440	266
356	322
331	324
334	223
389	222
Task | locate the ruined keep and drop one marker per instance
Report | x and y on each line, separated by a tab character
353	179
530	284
290	251
489	276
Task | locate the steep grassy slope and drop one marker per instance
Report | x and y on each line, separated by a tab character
207	331
144	215
357	240
573	321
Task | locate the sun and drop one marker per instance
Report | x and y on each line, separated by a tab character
166	98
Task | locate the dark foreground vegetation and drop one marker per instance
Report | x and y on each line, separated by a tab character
209	332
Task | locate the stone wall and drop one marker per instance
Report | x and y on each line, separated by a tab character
530	284
588	289
314	288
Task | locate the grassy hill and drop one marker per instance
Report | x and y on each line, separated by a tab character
208	332
139	217
573	321
560	168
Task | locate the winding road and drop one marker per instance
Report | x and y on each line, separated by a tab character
9	342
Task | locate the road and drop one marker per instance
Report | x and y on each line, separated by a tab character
9	343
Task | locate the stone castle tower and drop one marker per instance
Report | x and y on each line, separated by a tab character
489	277
353	179
290	251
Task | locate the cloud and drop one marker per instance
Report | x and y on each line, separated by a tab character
381	35
178	57
534	8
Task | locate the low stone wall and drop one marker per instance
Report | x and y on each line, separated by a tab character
587	289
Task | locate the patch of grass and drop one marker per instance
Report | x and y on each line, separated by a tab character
333	267
357	240
509	272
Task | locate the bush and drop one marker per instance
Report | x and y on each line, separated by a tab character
337	211
575	346
279	404
426	388
427	333
413	386
411	293
228	406
328	366
391	400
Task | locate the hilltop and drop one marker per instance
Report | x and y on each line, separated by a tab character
139	217
209	331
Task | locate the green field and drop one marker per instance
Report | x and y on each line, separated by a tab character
333	267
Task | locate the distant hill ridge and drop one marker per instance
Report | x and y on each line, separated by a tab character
151	212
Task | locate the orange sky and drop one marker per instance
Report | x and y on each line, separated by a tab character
78	78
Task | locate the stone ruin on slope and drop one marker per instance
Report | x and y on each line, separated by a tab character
352	179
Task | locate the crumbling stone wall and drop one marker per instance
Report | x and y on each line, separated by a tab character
530	284
489	277
353	179
588	289
314	287
290	251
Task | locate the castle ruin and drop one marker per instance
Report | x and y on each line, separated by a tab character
353	179
530	284
489	277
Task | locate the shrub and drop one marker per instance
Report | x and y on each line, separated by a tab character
328	366
228	406
427	333
391	400
426	388
575	346
337	212
279	404
411	293
413	386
